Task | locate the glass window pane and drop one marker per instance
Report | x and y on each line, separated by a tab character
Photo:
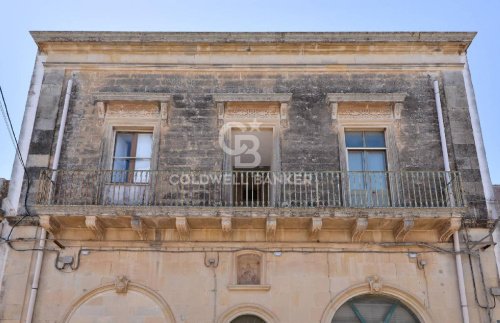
374	139
143	164
355	161
354	138
123	144
120	170
375	161
144	145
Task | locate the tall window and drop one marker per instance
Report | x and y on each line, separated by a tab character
367	165
132	157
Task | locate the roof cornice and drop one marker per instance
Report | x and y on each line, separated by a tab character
41	37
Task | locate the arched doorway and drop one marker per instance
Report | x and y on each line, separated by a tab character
248	318
370	308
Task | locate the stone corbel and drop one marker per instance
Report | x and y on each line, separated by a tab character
95	225
316	226
101	111
227	226
50	224
139	227
182	226
402	228
359	227
164	112
284	114
398	107
271	226
449	228
334	106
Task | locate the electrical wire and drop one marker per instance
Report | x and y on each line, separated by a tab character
12	134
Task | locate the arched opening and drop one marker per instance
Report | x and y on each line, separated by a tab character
135	304
248	318
370	308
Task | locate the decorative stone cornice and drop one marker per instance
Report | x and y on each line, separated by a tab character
252	97
374	38
390	112
163	100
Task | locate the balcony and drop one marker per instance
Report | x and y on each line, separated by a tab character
250	189
255	205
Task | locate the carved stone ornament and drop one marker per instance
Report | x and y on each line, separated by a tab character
50	224
402	229
448	228
182	227
95	225
316	226
359	227
375	284
378	106
271	225
121	284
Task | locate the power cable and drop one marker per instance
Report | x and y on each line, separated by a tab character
12	134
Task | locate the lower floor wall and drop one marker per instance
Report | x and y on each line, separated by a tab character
217	282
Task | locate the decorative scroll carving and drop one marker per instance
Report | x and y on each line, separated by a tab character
449	228
271	225
121	105
366	112
127	112
375	284
139	227
316	226
359	227
248	269
402	228
255	110
121	284
50	224
95	224
182	227
376	106
251	112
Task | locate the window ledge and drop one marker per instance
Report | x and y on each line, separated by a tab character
249	287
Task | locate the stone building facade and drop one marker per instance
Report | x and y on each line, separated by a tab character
249	177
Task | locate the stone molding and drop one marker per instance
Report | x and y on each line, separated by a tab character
102	99
412	302
390	112
254	113
111	287
249	309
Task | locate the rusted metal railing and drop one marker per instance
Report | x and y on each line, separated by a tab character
404	189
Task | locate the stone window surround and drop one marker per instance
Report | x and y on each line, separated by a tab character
368	120
233	283
112	123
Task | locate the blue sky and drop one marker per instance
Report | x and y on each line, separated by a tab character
18	50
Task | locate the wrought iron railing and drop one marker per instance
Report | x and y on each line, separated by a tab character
405	189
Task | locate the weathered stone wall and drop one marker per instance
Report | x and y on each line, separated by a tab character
310	142
303	285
